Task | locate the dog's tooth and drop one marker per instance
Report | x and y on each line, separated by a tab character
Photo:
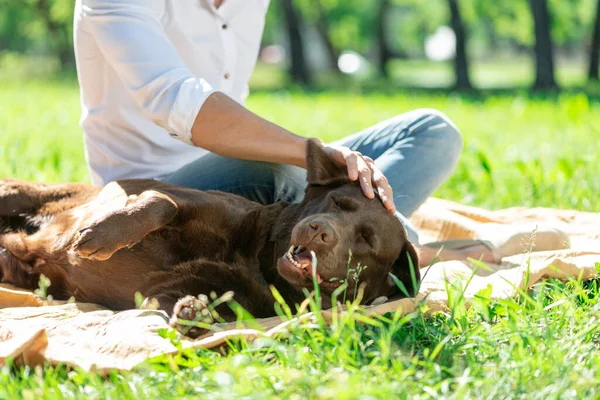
299	249
319	279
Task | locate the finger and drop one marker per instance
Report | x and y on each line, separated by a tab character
369	160
382	185
386	194
352	165
366	177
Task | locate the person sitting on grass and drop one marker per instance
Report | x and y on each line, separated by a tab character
163	85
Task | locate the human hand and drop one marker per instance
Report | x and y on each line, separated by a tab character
364	169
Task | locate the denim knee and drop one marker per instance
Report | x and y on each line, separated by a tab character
448	137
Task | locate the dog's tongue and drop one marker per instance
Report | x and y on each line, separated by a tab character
304	258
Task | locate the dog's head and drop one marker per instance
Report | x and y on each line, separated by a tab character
355	240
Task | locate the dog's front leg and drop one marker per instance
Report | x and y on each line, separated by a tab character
187	293
125	226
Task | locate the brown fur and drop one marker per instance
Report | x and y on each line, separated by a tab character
169	242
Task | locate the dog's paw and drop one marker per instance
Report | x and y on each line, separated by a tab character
93	244
187	313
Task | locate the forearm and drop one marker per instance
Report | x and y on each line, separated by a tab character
226	128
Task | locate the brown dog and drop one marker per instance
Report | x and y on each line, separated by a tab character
169	242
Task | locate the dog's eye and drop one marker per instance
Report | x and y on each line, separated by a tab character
345	204
335	202
366	234
366	239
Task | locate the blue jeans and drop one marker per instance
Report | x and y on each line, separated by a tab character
417	151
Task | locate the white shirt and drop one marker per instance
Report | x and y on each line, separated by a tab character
145	67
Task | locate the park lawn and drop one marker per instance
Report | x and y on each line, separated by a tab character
520	150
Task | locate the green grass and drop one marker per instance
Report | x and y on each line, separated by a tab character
520	150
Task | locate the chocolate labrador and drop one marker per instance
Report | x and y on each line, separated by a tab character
172	243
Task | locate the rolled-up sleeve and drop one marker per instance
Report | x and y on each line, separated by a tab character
130	35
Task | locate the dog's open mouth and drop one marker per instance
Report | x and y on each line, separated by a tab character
300	258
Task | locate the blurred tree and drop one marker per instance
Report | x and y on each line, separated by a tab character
496	30
410	22
10	23
595	47
274	29
57	16
385	54
349	23
572	22
322	25
544	57
500	26
40	26
298	67
461	64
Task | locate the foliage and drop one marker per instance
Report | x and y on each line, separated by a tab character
39	27
351	22
43	27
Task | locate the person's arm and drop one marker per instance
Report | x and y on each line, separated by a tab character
225	127
131	37
243	134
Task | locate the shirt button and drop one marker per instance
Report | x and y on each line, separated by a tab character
226	76
224	26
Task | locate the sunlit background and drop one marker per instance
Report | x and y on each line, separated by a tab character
408	43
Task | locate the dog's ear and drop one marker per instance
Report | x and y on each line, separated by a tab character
321	169
405	277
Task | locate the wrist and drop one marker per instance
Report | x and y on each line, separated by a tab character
300	153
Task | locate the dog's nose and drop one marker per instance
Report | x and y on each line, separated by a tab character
321	231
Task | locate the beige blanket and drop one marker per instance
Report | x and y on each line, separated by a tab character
34	331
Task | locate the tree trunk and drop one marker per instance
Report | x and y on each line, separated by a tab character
461	65
385	53
58	34
544	58
298	67
323	28
595	49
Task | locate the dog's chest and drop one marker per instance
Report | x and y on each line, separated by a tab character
210	234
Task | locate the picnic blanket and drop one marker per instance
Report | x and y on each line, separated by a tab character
34	331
